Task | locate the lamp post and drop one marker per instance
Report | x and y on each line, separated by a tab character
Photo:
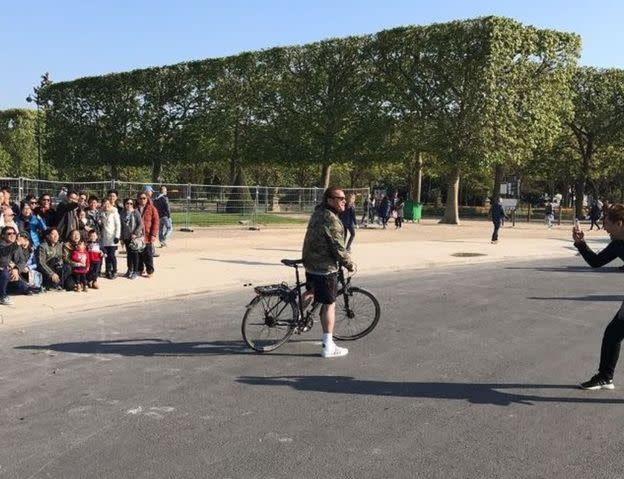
35	99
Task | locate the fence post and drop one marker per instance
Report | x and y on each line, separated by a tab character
20	189
187	217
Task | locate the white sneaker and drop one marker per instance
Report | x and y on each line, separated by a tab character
333	351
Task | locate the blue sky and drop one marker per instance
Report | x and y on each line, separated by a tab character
72	39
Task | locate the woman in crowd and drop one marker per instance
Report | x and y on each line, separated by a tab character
31	224
30	275
68	249
131	228
45	210
109	239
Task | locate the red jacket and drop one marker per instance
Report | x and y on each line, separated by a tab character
80	257
151	221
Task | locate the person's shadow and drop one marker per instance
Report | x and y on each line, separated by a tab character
486	393
154	347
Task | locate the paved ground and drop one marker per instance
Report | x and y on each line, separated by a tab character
211	260
471	374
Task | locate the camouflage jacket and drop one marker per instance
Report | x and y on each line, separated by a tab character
323	246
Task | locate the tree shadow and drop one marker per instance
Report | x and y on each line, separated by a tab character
279	249
589	297
155	347
240	261
487	393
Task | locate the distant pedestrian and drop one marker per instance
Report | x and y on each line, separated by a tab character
549	217
398	213
497	213
164	213
385	209
594	215
349	221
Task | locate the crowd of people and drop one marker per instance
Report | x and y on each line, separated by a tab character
70	243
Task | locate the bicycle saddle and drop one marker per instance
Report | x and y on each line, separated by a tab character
292	262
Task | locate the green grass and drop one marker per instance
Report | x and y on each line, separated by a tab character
223	219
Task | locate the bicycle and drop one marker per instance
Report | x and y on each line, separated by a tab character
277	311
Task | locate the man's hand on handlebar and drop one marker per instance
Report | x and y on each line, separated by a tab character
351	267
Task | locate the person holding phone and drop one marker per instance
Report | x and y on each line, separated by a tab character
614	332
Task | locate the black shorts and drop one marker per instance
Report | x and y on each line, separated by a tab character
325	287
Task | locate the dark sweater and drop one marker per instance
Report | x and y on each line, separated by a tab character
615	249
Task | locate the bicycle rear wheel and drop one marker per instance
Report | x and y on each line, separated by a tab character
269	321
357	314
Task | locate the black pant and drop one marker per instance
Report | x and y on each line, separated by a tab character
594	222
94	271
146	259
497	225
111	259
398	222
610	350
351	234
79	279
132	258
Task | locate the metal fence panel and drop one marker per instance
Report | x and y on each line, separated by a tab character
246	202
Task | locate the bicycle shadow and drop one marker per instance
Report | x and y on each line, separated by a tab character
476	393
154	347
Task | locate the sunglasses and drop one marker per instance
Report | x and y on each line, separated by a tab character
8	233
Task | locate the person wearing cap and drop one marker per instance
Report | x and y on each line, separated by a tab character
147	189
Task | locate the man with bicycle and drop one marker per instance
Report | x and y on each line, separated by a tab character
323	253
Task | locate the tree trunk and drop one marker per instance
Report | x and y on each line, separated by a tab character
114	170
325	176
579	194
156	168
499	172
415	177
451	209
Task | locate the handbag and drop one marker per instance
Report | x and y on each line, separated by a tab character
137	244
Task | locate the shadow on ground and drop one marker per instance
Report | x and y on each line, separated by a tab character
160	347
569	269
591	297
241	261
472	392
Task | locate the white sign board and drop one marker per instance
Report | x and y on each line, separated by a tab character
509	203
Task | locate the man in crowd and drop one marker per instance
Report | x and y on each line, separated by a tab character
323	253
162	205
67	215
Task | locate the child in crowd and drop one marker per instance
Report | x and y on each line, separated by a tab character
80	255
95	259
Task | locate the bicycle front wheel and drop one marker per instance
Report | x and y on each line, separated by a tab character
357	314
269	321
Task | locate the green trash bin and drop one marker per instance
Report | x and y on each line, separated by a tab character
412	210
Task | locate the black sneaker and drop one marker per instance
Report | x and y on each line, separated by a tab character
597	382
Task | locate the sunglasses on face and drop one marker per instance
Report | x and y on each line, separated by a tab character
10	233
